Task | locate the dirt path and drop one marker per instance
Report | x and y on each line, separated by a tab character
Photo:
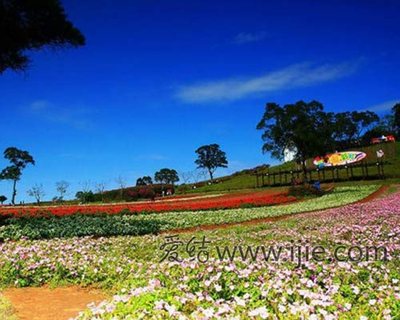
378	193
51	304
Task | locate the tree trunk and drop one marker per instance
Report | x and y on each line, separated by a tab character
303	163
14	192
211	176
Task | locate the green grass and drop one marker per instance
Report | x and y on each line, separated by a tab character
244	180
6	310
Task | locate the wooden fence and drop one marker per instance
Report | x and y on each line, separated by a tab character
359	171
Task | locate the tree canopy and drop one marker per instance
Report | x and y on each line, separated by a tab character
19	159
166	176
396	114
211	157
144	181
32	25
303	127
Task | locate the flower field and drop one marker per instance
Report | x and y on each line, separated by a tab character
143	287
129	224
185	203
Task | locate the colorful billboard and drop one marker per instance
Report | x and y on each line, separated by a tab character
339	159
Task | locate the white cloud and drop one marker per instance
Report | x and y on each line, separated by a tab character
384	106
294	76
246	37
75	117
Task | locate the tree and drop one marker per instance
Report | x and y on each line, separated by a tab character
144	181
186	177
2	199
363	121
62	187
211	157
303	127
166	176
396	114
32	25
36	192
121	181
19	160
85	196
99	188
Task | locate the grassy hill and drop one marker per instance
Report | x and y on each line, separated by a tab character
246	180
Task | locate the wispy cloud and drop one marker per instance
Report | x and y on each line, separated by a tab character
384	106
246	37
74	117
294	76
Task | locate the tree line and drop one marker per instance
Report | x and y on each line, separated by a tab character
209	157
308	130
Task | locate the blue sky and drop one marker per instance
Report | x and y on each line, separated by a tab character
157	79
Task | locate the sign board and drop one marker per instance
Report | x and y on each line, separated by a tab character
339	159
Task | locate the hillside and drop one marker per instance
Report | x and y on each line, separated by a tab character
246	180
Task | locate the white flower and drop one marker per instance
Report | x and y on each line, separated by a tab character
209	312
240	301
372	302
261	312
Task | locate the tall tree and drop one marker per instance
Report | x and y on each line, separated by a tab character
36	192
211	157
166	176
19	159
32	25
303	127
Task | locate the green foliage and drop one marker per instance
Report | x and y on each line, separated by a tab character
32	25
144	181
166	176
19	159
85	196
308	130
211	157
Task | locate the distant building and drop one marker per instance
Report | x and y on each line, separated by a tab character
289	154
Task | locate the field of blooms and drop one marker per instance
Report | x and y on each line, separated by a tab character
141	224
186	203
277	290
236	288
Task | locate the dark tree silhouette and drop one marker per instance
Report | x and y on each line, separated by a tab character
19	160
303	127
166	176
144	181
396	113
32	25
211	157
2	199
